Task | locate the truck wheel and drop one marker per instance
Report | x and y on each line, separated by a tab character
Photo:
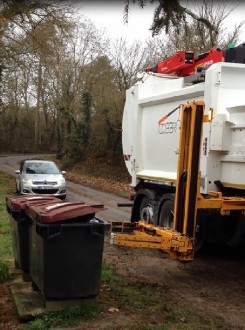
200	239
146	210
166	216
166	219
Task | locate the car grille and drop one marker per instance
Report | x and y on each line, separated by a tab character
50	183
45	191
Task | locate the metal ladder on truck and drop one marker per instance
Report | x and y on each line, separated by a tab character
179	242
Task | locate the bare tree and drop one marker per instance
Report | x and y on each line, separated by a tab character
196	36
171	15
127	60
30	34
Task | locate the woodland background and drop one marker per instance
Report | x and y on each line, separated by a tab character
63	82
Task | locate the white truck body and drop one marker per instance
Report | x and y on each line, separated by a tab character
151	149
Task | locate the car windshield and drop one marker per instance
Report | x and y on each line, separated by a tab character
41	168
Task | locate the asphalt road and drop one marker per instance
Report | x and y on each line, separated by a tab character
77	192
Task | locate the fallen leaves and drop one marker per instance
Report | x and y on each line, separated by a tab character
105	184
113	310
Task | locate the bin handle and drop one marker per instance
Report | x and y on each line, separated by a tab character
94	233
57	234
49	235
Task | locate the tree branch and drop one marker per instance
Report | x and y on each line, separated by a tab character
200	19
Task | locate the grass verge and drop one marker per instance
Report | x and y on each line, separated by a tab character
6	258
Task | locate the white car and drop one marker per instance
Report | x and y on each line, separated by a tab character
40	177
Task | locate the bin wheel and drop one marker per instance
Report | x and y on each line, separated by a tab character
17	189
34	286
16	264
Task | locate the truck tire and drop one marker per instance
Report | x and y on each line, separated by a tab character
166	219
146	210
166	215
199	235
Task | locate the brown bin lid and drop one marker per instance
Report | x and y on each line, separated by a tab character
17	203
61	211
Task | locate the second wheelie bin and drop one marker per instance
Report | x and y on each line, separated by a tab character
66	249
19	224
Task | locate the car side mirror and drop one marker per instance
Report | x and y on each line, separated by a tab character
63	172
17	172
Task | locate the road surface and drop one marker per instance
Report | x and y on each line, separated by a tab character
77	192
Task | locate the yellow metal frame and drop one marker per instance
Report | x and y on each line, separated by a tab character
188	168
141	234
223	204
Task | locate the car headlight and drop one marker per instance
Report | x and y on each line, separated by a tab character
61	182
27	181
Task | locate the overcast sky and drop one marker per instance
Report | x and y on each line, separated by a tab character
108	14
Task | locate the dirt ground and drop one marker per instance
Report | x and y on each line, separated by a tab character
213	283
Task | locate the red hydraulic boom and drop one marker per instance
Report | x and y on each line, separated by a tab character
185	63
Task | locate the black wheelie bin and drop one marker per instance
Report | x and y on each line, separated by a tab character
19	223
66	249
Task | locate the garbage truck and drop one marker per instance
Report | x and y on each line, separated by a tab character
153	148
